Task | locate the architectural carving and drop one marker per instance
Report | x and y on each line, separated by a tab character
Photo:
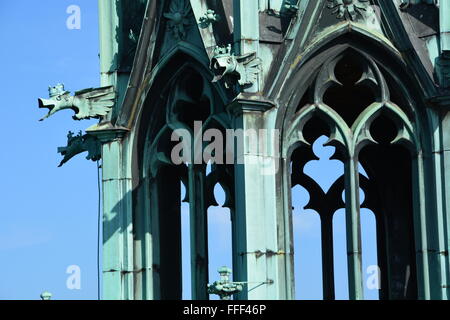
361	77
179	18
79	144
209	18
224	288
348	9
87	104
235	69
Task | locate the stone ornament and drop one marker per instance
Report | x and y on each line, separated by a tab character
179	17
79	144
209	18
348	9
224	288
87	104
241	69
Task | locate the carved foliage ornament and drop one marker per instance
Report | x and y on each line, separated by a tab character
348	9
180	17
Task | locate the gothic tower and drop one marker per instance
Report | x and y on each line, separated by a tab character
373	77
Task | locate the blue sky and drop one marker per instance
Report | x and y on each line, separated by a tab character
49	214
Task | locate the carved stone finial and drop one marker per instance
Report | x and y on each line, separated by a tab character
209	18
224	288
348	9
88	103
235	69
222	51
46	295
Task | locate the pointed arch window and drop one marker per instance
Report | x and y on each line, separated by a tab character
349	101
179	225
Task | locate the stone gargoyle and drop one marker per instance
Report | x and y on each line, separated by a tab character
79	144
241	69
87	104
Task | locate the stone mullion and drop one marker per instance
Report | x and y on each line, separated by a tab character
198	232
353	228
155	235
327	256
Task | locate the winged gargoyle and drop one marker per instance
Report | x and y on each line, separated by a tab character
88	103
79	144
242	69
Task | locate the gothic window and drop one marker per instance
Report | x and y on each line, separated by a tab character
180	192
366	207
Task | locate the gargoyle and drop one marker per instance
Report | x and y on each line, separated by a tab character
79	144
242	69
88	103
